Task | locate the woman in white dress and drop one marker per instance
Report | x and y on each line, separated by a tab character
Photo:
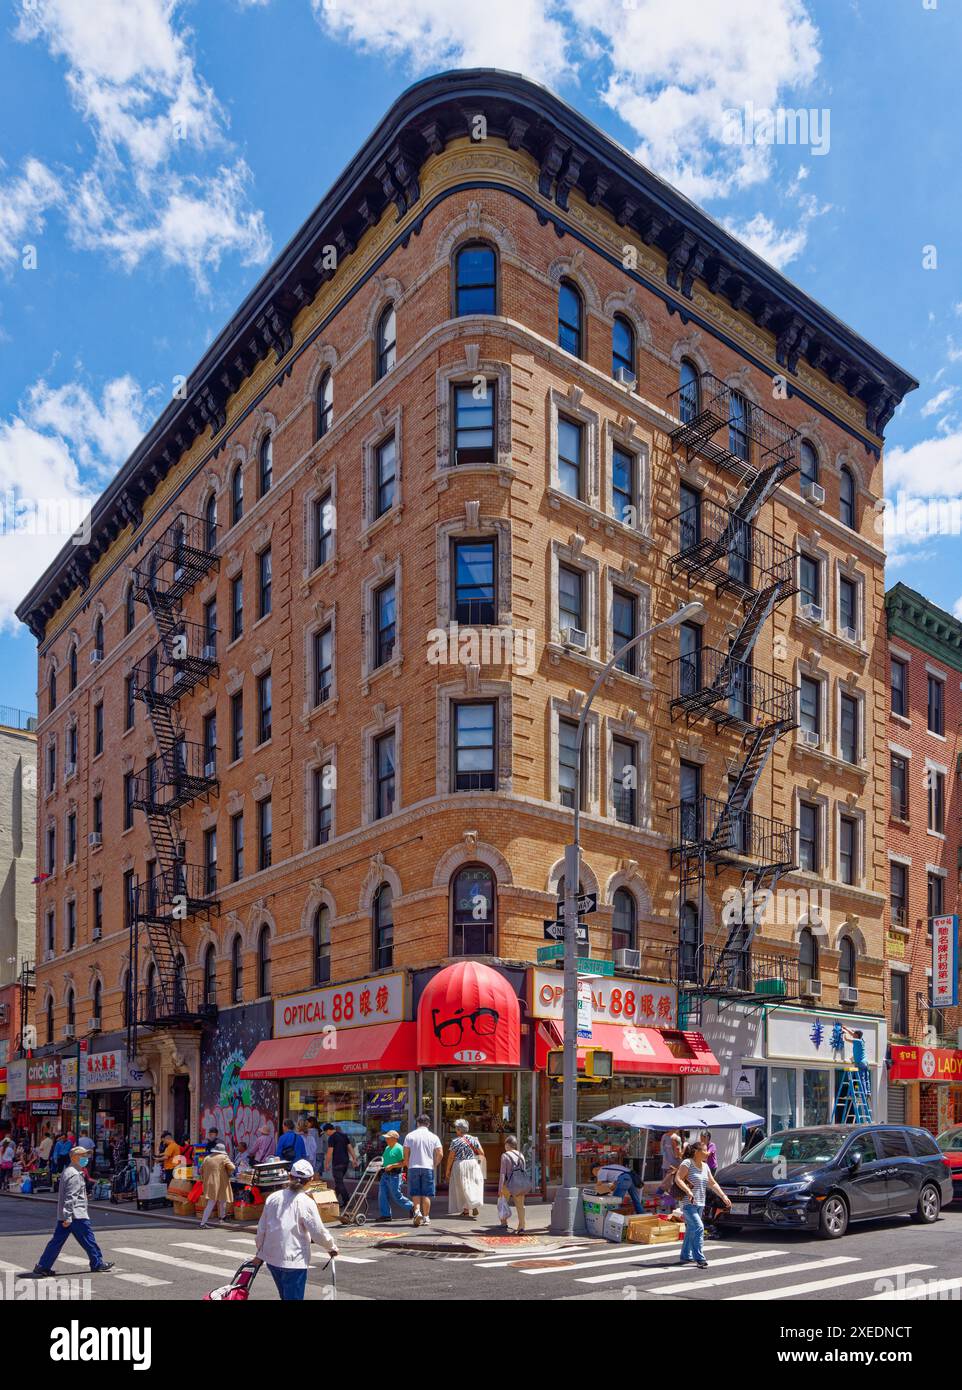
465	1172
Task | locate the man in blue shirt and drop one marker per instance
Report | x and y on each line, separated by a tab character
290	1145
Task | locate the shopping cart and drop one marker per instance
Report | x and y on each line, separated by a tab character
355	1208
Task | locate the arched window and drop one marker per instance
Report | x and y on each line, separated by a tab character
130	610
808	463
322	945
49	1019
210	521
689	965
383	927
624	922
324	405
807	957
72	666
99	635
264	961
210	976
622	346
475	279
97	1010
689	392
236	971
472	911
846	961
386	341
846	498
266	463
52	691
570	318
237	494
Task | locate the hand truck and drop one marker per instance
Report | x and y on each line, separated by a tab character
355	1208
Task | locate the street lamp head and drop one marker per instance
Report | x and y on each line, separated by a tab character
685	614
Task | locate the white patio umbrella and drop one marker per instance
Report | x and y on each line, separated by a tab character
714	1114
639	1114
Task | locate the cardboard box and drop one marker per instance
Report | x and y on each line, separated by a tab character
656	1233
183	1208
247	1211
596	1208
615	1227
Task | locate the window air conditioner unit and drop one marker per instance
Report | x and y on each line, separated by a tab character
847	994
70	770
850	634
69	1031
576	639
812	737
210	652
813	612
812	989
94	839
96	656
625	377
95	1023
97	933
814	493
628	959
210	769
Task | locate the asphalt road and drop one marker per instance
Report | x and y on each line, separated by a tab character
160	1260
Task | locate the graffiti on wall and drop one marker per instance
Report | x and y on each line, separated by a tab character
241	1111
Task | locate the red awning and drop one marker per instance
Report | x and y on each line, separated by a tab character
644	1051
378	1047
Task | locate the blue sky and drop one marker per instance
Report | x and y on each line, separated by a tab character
157	154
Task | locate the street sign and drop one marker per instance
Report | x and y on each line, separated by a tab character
555	931
584	1011
549	953
744	1082
589	966
584	902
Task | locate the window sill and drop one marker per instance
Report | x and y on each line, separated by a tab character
265	617
392	516
902	719
932	734
503	471
936	834
393	666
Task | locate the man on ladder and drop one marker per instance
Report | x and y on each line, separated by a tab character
856	1089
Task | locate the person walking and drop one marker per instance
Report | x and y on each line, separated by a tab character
343	1155
423	1152
215	1172
692	1180
308	1133
289	1224
59	1155
313	1133
290	1145
389	1187
72	1219
465	1172
513	1180
8	1151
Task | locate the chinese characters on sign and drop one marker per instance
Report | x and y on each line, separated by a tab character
352	1005
945	962
614	1000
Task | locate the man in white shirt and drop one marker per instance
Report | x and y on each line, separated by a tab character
289	1223
422	1154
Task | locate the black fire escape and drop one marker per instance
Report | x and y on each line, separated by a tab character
721	545
184	658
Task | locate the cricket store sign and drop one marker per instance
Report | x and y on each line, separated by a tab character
377	1000
614	1000
43	1078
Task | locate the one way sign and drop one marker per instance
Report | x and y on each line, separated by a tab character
555	931
584	902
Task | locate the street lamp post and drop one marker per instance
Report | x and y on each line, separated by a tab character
566	1196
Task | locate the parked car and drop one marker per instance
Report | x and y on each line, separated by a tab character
950	1142
823	1178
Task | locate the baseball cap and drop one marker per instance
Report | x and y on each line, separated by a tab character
302	1169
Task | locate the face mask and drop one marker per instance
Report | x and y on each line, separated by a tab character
82	1162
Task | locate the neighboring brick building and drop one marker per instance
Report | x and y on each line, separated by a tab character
18	819
483	384
924	849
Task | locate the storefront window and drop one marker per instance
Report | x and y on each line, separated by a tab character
472	912
364	1108
816	1092
488	1101
598	1144
783	1098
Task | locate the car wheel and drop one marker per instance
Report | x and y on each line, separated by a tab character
930	1204
833	1218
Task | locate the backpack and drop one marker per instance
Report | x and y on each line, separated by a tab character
519	1182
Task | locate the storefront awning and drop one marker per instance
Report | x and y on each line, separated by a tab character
379	1047
924	1063
645	1051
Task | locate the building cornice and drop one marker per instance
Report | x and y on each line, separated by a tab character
920	622
572	156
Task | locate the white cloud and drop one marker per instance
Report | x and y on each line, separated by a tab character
776	247
155	123
101	436
931	468
23	203
936	403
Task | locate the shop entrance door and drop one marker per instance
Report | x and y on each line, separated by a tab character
488	1101
181	1099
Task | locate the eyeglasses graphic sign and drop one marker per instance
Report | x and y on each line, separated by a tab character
469	1014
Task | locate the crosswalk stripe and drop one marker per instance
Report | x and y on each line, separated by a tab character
146	1281
926	1289
177	1261
658	1269
813	1285
683	1285
528	1252
618	1256
233	1254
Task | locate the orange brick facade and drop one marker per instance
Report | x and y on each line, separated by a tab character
518	829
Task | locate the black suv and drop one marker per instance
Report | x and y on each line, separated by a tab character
822	1178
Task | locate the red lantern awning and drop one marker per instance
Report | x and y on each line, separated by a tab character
469	1015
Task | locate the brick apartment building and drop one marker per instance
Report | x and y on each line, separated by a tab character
924	839
503	384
